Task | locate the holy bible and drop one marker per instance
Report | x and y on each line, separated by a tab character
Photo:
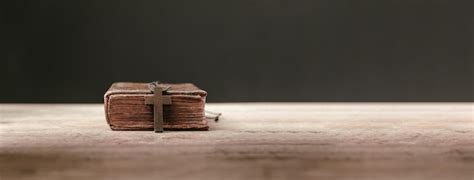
155	106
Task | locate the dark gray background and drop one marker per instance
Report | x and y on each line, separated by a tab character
243	50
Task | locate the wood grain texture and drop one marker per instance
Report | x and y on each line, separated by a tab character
125	107
377	141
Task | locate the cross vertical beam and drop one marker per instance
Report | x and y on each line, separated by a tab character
158	109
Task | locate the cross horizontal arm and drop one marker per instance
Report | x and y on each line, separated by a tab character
149	100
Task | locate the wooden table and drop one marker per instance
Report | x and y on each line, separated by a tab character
251	141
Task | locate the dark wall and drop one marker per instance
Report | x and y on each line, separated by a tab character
244	50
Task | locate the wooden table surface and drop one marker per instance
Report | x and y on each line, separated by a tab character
251	141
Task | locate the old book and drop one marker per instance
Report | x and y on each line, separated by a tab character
133	106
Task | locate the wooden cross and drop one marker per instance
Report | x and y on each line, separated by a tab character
158	100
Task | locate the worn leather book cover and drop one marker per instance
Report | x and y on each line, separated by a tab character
126	107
